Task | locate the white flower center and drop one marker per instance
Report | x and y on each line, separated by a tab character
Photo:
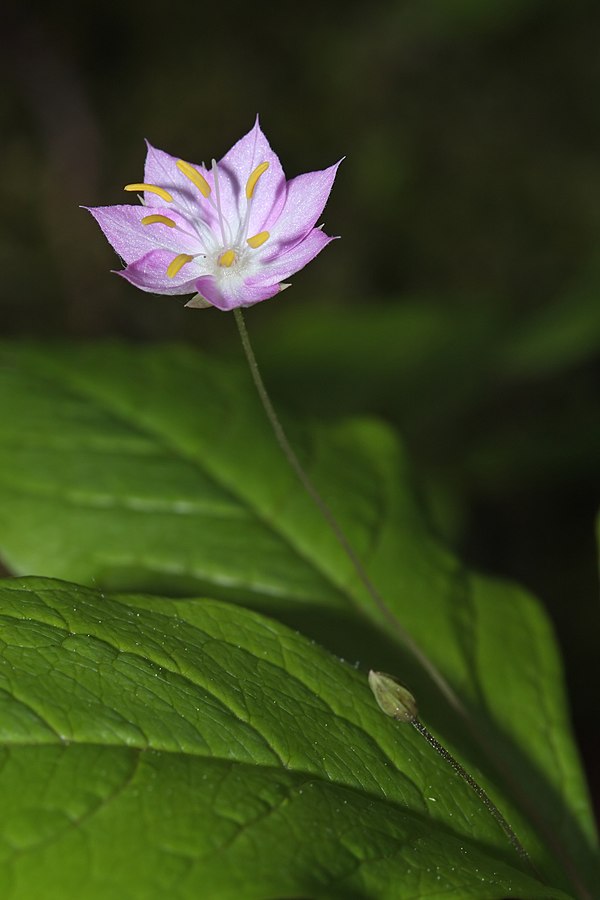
227	253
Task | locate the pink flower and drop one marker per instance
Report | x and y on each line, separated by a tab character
232	233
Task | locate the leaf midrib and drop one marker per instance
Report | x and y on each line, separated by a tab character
145	430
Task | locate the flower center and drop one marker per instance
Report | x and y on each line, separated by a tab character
231	248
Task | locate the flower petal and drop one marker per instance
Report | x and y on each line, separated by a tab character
150	274
269	194
234	292
295	259
161	169
306	197
122	226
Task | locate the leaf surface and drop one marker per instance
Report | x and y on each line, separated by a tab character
160	748
152	470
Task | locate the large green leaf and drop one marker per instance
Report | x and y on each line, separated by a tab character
152	469
184	749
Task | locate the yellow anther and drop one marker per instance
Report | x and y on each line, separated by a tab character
195	177
251	183
227	258
159	220
178	263
258	239
152	188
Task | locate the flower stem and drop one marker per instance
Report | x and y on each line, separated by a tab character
396	701
489	804
333	523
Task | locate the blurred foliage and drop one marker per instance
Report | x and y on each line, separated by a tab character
462	302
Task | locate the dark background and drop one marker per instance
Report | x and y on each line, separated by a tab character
463	303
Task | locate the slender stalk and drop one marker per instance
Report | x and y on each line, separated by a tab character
334	525
396	701
489	804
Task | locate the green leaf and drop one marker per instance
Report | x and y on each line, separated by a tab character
152	469
183	749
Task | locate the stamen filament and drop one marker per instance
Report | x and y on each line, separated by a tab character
206	235
250	188
252	181
159	220
195	177
218	196
177	264
152	189
258	239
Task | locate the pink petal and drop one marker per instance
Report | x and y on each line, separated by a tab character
161	169
233	293
122	226
234	170
295	259
150	274
306	197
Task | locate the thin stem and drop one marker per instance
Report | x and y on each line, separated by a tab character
333	523
489	804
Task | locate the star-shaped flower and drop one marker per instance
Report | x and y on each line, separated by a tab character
231	233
